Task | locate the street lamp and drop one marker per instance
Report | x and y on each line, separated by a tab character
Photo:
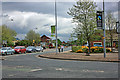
104	29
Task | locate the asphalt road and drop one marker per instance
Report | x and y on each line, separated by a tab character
30	66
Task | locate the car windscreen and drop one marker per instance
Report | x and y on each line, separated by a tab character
30	47
4	48
37	47
17	48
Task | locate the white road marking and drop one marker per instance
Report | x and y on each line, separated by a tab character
36	70
92	71
11	75
59	69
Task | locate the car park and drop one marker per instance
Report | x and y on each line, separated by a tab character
20	49
30	49
39	48
7	50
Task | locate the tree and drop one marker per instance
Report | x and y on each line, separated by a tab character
8	35
84	15
98	35
33	37
110	22
23	43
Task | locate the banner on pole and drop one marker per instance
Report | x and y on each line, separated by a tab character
52	35
99	20
53	31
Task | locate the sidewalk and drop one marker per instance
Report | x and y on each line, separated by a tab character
68	55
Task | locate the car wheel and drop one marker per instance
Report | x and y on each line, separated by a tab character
12	53
6	53
20	52
25	52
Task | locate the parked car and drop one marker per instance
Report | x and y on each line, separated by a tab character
98	45
7	50
20	49
39	48
30	49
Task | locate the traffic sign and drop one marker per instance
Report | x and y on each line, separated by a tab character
99	19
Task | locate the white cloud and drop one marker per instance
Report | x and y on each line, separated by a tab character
25	21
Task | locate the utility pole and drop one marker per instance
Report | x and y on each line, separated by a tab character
104	29
56	25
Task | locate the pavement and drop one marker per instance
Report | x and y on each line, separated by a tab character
68	55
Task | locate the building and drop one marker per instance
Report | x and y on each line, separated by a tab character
114	39
45	41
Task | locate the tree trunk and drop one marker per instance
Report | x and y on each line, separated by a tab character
88	54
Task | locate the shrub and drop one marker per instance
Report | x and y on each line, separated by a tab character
79	51
85	50
108	50
76	48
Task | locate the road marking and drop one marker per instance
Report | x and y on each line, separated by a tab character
11	75
92	71
33	70
59	69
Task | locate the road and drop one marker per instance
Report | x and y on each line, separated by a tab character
31	66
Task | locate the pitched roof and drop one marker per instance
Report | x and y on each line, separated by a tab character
45	36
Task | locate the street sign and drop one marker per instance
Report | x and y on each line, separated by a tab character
118	30
99	19
118	27
4	41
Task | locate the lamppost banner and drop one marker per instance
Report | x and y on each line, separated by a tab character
52	31
99	19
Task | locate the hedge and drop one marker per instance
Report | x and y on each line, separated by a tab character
81	49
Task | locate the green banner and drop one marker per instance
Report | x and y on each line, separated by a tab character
52	29
52	35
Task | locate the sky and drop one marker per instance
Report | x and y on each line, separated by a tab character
31	15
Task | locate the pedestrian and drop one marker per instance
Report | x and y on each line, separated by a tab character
59	48
62	47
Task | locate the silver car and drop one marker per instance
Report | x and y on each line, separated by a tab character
39	48
7	50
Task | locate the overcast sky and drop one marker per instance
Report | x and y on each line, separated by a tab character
31	15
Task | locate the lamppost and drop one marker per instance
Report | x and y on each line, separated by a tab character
56	26
104	29
118	32
35	41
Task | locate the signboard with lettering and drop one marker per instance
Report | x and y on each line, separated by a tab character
99	19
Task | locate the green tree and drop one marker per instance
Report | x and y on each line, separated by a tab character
24	43
84	15
8	35
31	35
58	41
98	35
111	23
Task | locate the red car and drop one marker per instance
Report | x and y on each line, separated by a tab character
20	49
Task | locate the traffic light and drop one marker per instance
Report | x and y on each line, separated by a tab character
33	41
